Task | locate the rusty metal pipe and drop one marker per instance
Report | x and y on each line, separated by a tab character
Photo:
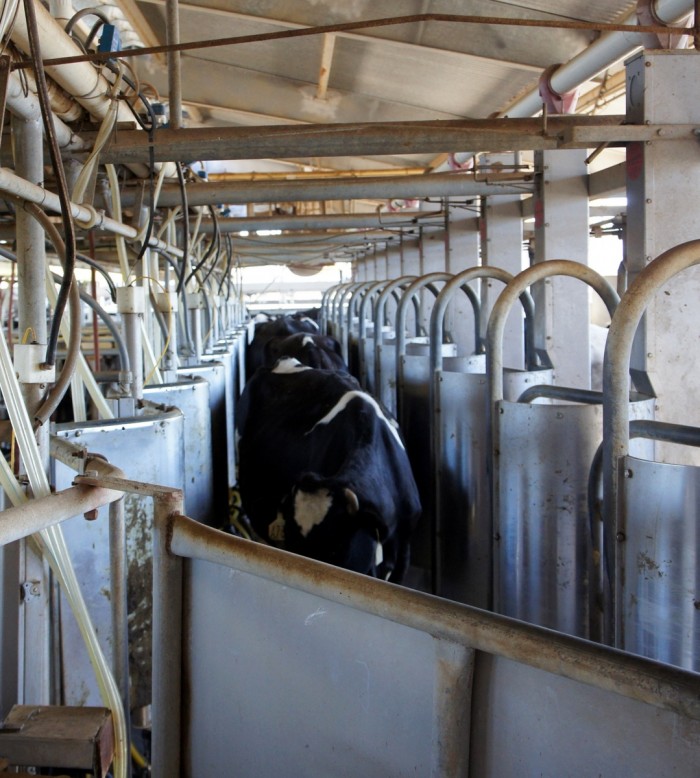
634	676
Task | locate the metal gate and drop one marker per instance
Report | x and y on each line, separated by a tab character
543	554
652	520
460	446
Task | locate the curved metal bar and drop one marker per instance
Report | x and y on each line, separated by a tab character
616	387
518	285
567	393
392	289
423	282
334	312
324	307
340	316
374	288
461	281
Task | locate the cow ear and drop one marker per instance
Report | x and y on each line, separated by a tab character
352	502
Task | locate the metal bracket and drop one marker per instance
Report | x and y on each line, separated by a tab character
555	102
127	485
31	590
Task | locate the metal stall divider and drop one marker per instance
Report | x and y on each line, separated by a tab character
412	412
191	396
350	328
213	371
366	335
223	435
459	440
148	447
335	309
544	566
383	383
342	322
353	676
651	517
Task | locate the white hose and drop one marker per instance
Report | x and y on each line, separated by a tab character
55	551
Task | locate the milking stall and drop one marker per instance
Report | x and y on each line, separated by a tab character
486	213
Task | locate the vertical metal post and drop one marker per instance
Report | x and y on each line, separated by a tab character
118	600
561	232
130	304
167	641
172	36
34	629
502	247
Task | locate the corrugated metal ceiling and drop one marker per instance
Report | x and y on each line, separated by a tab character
428	70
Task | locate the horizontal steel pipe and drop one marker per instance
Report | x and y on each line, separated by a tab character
341	221
633	676
38	514
334	140
444	185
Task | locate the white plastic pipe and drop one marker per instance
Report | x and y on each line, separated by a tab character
609	49
87	85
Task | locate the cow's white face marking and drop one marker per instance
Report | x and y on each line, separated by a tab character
307	340
311	508
287	365
310	321
342	404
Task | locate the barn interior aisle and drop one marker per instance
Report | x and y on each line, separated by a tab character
346	408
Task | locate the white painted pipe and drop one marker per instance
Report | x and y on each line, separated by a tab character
15	186
88	86
605	52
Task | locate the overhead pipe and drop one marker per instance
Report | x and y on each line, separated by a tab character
447	185
605	52
88	87
15	186
342	221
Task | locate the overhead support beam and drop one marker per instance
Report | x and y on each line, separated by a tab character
345	221
409	187
326	62
378	138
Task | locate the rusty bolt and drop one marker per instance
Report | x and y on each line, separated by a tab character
91	515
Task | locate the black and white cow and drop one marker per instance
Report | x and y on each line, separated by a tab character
323	471
322	351
265	331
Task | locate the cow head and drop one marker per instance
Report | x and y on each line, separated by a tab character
325	520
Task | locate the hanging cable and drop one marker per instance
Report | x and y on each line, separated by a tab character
185	227
57	164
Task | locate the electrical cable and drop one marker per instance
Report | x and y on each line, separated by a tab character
229	257
84	12
57	164
185	227
210	248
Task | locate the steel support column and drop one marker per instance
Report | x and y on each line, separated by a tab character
502	247
663	184
561	232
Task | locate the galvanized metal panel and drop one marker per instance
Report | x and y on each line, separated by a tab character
461	440
661	602
544	557
226	354
192	398
213	371
305	687
148	448
534	723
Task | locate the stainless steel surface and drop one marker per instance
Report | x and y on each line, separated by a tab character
616	416
213	371
541	458
191	396
145	448
317	652
660	613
